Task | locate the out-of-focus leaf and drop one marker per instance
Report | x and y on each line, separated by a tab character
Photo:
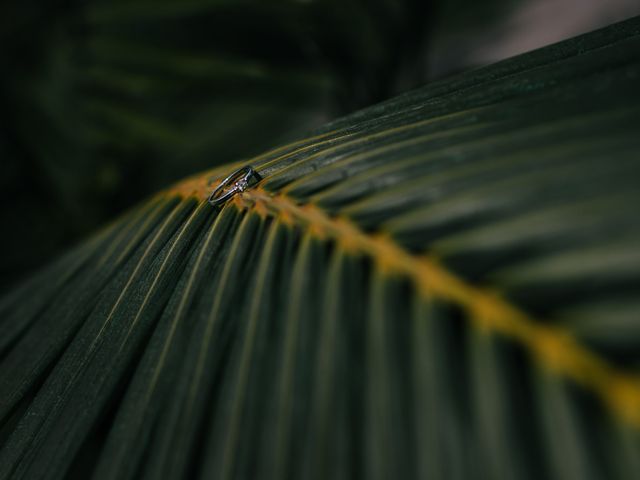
420	290
105	102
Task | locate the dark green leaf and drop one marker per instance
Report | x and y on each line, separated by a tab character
444	285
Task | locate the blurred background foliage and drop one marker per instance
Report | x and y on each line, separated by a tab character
106	101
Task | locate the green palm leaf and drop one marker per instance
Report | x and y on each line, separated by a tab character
444	285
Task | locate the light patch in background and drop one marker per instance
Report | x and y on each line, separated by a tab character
534	24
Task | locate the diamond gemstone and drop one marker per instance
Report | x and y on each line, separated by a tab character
241	184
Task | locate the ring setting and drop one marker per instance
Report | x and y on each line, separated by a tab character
236	182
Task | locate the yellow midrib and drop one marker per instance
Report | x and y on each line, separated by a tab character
553	347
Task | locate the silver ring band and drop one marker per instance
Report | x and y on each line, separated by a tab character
239	181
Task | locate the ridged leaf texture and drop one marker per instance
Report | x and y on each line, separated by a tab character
445	285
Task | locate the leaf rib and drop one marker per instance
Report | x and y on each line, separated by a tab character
553	347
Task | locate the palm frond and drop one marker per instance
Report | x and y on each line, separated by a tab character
444	285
